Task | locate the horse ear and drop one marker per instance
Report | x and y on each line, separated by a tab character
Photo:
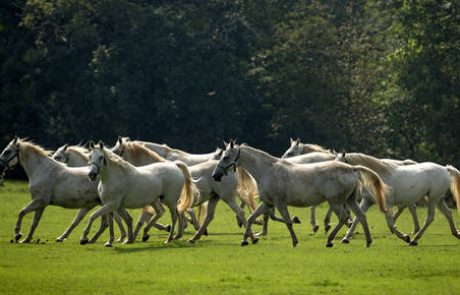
120	139
101	144
232	144
297	141
225	143
91	145
66	146
291	140
15	139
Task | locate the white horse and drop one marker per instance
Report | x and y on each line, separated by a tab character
50	183
78	156
172	154
123	185
247	187
304	153
408	184
209	190
282	183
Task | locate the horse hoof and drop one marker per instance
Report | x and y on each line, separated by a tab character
329	244
145	238
296	220
59	240
406	238
327	228
294	244
108	245
345	241
457	235
244	243
25	241
240	224
413	243
168	228
368	244
192	241
255	240
177	237
205	232
315	228
17	237
84	241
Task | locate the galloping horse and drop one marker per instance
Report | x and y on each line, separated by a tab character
209	190
282	183
123	185
78	156
305	153
407	185
50	183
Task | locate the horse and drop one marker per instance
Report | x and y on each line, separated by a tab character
282	183
209	190
247	187
123	185
305	153
172	154
78	156
50	183
408	184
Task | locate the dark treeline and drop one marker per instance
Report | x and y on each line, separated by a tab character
380	77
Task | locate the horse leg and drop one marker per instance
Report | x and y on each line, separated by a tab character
392	227
342	216
282	208
82	213
239	213
109	243
119	222
106	208
327	220
314	226
174	215
364	206
264	231
193	218
212	203
361	216
32	206
429	219
102	227
37	216
247	232
129	224
413	211
448	214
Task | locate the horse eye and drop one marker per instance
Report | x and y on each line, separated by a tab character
225	158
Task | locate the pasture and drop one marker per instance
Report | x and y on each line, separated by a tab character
217	264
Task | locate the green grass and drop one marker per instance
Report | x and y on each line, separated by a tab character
217	264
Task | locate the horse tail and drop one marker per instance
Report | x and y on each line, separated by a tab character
189	189
247	188
374	183
455	184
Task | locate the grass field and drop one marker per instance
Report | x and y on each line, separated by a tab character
217	264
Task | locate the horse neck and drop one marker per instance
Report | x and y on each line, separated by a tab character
382	168
256	162
77	159
34	163
161	150
112	170
141	158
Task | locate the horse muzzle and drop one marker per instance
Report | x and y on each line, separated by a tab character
217	175
92	176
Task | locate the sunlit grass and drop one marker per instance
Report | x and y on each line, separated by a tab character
218	264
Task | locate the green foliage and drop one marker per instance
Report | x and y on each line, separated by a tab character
379	77
217	264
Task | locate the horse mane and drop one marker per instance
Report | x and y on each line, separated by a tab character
381	167
80	150
259	151
29	145
117	160
137	148
309	147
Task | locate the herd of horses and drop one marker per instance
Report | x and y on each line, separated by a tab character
150	176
